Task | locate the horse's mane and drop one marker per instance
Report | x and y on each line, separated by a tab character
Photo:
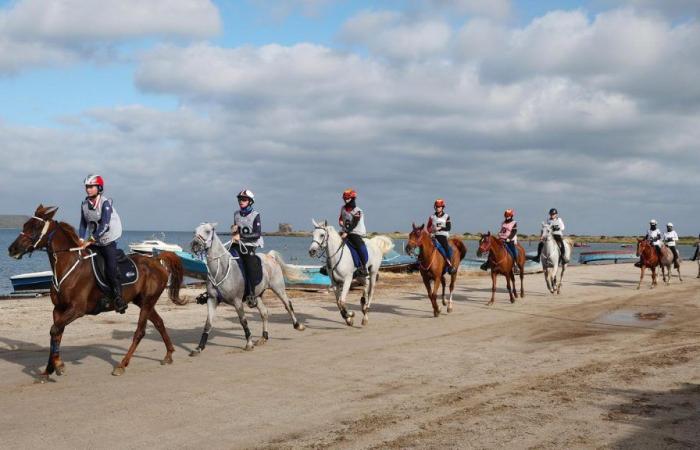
69	230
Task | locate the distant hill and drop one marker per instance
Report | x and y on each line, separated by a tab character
12	221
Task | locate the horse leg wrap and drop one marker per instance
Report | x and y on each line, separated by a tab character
266	336
246	330
203	341
54	347
344	313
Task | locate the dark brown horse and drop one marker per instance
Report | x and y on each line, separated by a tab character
650	260
500	262
74	292
432	264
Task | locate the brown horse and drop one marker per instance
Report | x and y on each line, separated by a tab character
74	292
650	260
432	264
500	262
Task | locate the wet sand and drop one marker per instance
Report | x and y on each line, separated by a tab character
600	366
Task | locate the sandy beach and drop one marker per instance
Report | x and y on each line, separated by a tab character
600	366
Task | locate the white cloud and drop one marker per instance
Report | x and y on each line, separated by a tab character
51	32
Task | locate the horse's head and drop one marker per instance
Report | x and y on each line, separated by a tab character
484	244
546	233
34	232
414	238
203	238
319	238
642	244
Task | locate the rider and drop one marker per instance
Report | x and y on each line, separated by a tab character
439	226
100	227
508	234
654	237
557	226
697	254
670	238
246	232
352	226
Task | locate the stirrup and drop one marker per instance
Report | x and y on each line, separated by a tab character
120	305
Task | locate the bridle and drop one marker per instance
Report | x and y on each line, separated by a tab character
206	243
323	245
44	230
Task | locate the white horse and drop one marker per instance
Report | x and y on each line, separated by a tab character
550	259
226	283
341	267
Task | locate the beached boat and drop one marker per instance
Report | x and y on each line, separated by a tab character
395	262
607	256
32	282
581	244
148	246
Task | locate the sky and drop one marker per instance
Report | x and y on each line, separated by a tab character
592	107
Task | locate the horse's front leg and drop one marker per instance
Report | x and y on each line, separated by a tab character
443	282
547	280
494	277
522	279
511	287
61	319
641	277
341	295
434	294
453	280
212	303
561	278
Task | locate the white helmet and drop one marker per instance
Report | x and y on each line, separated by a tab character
246	193
652	222
670	225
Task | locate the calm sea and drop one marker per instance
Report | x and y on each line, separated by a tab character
294	250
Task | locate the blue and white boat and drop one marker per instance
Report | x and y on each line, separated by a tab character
614	256
32	282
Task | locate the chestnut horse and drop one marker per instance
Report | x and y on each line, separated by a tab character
75	293
432	264
649	259
500	262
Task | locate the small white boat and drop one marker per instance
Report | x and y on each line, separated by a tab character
32	282
146	247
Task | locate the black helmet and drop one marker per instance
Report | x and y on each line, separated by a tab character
553	211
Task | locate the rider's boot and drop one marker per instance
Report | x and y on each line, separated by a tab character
484	266
323	270
119	303
251	301
539	252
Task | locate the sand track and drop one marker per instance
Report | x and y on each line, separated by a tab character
577	370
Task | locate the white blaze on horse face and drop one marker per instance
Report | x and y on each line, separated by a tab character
319	237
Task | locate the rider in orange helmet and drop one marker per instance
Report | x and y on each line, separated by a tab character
439	226
352	226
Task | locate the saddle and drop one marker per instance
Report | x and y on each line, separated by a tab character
128	272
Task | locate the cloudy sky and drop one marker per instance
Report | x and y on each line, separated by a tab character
592	107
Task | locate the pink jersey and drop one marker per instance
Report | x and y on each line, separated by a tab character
507	229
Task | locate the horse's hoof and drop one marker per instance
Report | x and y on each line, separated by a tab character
351	313
42	379
196	352
118	371
444	302
449	309
61	370
260	342
167	360
299	326
364	321
349	321
249	347
512	300
436	313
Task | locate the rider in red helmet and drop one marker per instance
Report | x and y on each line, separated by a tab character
100	227
352	226
439	226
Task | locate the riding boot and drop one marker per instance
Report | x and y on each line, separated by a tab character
362	271
323	270
539	253
638	264
562	253
452	269
484	266
119	303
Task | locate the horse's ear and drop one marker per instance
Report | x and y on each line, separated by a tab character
421	226
39	209
50	212
213	225
313	221
413	225
325	223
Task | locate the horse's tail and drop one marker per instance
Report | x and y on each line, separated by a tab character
173	265
383	243
461	248
290	272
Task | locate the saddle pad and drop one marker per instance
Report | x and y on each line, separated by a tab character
128	272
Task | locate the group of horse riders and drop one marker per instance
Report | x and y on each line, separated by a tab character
100	228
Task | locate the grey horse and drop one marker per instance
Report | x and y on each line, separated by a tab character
550	259
225	283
